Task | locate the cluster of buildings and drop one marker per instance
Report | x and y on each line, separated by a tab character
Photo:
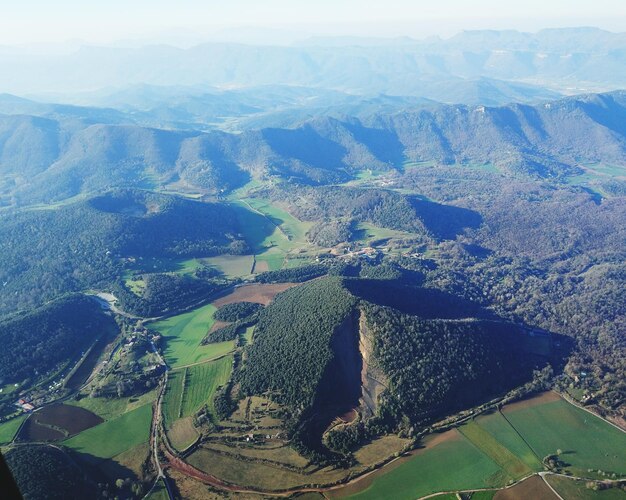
25	404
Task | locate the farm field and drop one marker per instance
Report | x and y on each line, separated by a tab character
498	427
293	231
115	436
9	428
57	421
182	335
232	266
256	473
109	408
190	388
256	292
500	447
586	441
182	433
571	489
449	462
366	233
534	487
132	462
271	232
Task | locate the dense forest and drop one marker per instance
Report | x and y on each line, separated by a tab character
163	293
292	346
42	340
436	367
237	311
48	472
45	253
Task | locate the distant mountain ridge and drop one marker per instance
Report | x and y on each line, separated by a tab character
584	58
44	159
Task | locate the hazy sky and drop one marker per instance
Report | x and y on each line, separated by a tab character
100	21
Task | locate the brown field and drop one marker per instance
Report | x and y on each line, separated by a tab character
281	454
31	431
534	487
193	489
260	293
182	434
258	475
56	422
545	397
261	266
218	324
380	448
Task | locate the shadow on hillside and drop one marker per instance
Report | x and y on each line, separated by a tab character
445	221
424	302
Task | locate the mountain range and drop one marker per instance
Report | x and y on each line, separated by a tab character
66	151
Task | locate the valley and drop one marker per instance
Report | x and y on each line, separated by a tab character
314	290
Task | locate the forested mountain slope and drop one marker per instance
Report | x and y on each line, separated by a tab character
49	252
66	157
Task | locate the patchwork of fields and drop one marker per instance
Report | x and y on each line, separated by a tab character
114	436
496	449
190	388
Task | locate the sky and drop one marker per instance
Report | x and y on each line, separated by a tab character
187	21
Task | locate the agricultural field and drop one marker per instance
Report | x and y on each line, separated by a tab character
128	464
56	422
188	389
115	436
232	266
571	489
182	335
110	408
260	293
586	441
495	449
366	233
272	233
534	487
9	428
448	462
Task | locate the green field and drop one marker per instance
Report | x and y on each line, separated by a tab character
494	449
248	334
451	465
232	266
587	442
577	490
114	436
109	408
269	229
496	425
366	233
490	446
190	388
182	335
9	428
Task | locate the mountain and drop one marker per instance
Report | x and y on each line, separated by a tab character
565	58
47	159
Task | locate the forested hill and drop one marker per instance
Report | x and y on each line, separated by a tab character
66	157
434	349
45	253
43	340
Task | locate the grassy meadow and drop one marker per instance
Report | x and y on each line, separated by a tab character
115	436
182	335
